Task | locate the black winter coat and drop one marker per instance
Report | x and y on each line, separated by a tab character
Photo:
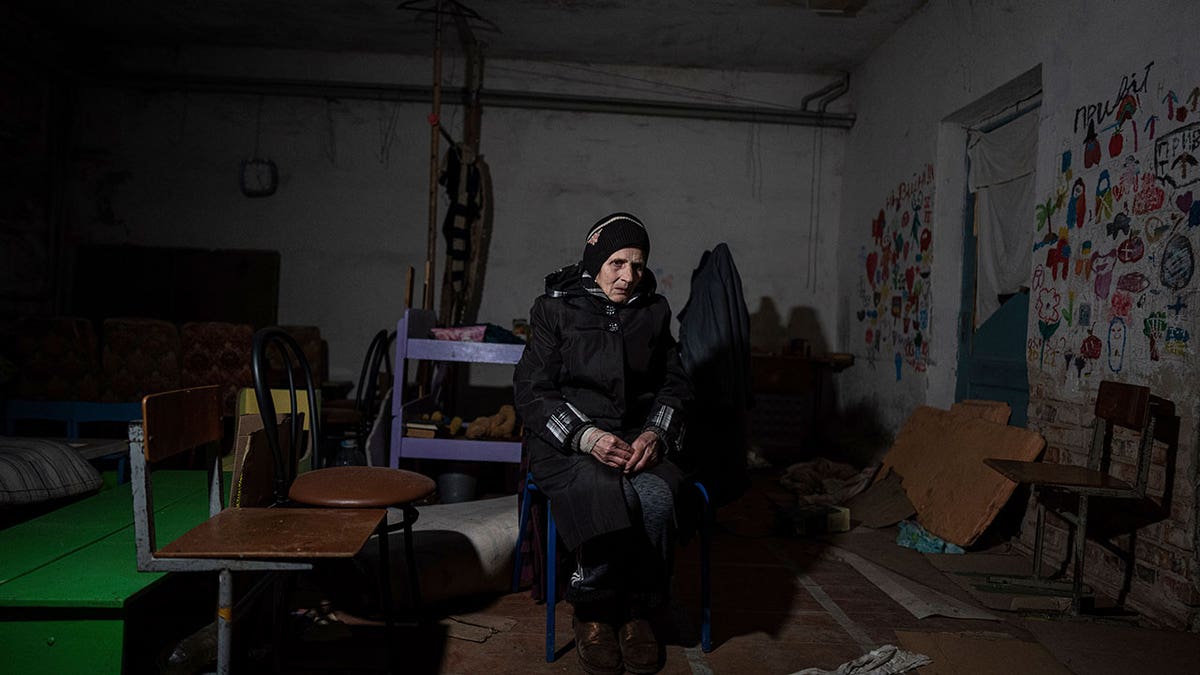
714	345
590	361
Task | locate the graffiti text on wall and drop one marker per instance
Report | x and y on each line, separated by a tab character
1132	85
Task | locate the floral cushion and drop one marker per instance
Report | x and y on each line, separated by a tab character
57	359
311	345
217	353
141	356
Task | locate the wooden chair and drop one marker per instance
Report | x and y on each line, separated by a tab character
232	539
1117	404
349	487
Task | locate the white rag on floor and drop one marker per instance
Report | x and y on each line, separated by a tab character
885	660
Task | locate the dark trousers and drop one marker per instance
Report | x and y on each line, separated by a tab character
629	568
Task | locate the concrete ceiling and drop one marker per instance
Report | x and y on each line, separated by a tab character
762	35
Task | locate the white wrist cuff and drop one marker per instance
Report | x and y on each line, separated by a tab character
588	439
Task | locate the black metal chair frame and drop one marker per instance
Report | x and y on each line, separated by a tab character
366	393
290	352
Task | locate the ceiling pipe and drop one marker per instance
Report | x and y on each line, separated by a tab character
492	98
842	87
667	109
818	93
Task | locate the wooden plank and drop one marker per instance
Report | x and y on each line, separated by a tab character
470	352
286	534
35	543
104	574
175	421
996	411
883	504
71	646
1123	404
451	448
96	448
1059	475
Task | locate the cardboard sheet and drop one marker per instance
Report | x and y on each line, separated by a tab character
940	456
990	654
973	572
1111	649
882	505
254	465
995	411
920	600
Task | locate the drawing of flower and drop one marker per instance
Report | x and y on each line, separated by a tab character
1048	302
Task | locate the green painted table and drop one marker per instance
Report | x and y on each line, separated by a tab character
69	579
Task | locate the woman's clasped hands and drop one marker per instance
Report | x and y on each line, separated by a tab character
630	458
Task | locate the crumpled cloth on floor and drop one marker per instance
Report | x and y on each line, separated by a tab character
885	660
823	481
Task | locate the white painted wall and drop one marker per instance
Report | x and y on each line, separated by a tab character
947	57
350	214
913	96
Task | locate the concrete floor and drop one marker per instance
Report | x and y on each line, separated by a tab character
780	604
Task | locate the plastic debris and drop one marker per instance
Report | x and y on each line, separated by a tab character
912	535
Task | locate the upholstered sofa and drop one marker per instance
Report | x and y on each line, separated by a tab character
64	369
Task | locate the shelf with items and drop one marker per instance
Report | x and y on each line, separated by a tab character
409	348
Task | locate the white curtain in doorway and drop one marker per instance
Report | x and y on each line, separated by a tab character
1001	176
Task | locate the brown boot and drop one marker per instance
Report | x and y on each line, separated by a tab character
639	648
596	642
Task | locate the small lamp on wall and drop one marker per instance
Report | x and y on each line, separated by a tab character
259	177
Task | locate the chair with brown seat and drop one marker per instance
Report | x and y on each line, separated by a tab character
335	486
232	539
1117	404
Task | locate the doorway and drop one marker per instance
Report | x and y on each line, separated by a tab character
997	245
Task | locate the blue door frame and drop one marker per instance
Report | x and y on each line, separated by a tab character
991	358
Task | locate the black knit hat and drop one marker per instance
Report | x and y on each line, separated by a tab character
611	234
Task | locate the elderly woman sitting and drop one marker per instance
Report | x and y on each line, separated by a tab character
602	393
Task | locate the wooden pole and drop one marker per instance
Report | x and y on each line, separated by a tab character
434	137
408	288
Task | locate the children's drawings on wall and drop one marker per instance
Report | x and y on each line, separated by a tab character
1178	263
1175	156
1049	318
1153	328
1113	286
894	287
1116	344
1177	340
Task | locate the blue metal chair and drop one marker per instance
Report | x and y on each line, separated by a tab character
552	571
